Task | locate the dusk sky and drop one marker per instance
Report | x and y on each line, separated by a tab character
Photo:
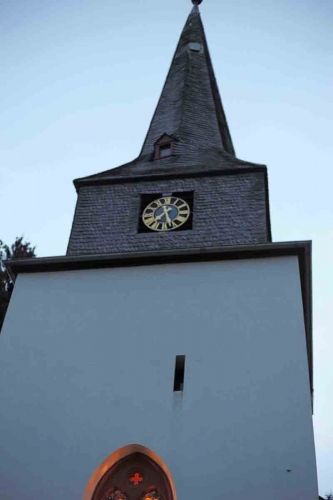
79	83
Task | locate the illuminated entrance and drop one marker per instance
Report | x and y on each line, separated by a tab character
131	473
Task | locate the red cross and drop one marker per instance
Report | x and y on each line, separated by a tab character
136	479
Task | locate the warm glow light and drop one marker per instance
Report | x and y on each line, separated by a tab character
118	455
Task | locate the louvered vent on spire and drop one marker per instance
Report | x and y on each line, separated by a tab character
190	107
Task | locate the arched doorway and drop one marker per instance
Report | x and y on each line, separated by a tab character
131	473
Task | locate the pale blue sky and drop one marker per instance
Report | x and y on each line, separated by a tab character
80	81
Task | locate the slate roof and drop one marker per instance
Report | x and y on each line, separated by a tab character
190	110
190	105
185	163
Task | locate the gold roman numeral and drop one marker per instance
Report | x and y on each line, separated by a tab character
181	218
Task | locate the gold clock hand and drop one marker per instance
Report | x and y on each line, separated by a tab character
166	210
159	217
165	213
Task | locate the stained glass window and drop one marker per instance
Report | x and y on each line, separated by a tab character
114	494
135	477
151	494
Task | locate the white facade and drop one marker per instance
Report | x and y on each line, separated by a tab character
87	366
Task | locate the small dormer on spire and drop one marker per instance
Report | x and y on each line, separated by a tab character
163	147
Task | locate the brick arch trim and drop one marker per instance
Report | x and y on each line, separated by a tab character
119	455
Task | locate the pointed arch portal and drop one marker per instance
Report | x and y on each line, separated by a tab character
131	473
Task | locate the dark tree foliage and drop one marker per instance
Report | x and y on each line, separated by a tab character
329	496
18	250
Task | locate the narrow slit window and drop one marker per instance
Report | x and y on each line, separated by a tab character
179	374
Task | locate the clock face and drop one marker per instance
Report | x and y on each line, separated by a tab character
166	213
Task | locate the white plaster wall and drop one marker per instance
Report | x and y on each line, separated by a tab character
87	365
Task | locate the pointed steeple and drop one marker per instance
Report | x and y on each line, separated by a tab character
188	132
190	107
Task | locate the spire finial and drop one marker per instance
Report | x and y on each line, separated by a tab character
196	2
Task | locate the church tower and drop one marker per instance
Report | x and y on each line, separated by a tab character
169	353
188	153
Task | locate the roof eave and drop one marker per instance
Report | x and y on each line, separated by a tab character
156	176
